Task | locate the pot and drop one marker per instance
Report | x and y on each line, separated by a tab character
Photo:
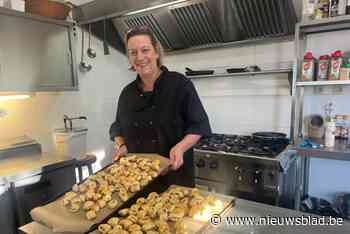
270	136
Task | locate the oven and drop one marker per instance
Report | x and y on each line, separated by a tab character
270	180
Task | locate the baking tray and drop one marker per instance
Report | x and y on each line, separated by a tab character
57	217
191	225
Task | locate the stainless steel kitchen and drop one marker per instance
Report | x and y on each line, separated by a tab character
174	116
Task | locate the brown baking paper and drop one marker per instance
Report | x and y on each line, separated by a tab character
37	228
59	219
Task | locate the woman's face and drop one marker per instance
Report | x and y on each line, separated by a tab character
142	55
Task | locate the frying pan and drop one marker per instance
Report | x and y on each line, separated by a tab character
270	136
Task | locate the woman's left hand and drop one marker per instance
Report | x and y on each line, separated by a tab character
176	157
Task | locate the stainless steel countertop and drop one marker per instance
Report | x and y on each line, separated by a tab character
244	208
16	168
340	151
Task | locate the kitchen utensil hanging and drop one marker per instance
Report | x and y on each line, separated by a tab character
90	52
105	44
84	66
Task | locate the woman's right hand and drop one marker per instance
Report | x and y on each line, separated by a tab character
122	151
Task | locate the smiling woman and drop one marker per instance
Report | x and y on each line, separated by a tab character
159	112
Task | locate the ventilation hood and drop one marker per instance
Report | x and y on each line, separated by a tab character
196	23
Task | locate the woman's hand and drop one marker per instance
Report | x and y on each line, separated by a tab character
176	157
122	151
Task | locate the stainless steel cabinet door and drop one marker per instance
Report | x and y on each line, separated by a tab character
35	56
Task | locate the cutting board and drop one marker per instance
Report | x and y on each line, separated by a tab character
57	217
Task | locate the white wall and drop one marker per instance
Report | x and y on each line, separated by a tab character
244	104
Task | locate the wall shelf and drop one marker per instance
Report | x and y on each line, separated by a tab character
10	12
323	83
266	72
325	25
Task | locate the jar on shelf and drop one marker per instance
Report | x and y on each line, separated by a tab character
336	62
339	120
308	67
323	67
345	71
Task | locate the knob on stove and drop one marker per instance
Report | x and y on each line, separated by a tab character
213	165
200	163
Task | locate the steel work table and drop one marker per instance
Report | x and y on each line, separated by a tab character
244	208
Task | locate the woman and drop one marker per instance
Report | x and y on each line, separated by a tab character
159	112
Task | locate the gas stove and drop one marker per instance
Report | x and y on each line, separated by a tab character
242	144
248	167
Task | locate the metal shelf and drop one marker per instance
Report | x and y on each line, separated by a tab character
323	83
325	25
340	151
266	72
10	12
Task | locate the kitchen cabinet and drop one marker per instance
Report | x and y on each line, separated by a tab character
36	53
40	189
340	151
7	221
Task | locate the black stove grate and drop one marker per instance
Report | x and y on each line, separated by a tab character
242	144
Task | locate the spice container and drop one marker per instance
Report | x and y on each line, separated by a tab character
308	67
333	8
339	124
345	71
336	62
322	9
309	9
323	67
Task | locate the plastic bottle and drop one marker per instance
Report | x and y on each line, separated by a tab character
333	8
308	68
342	7
330	133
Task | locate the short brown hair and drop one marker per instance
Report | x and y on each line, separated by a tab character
145	30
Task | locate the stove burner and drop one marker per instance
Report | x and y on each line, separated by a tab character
242	144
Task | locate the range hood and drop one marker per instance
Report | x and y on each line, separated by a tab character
196	23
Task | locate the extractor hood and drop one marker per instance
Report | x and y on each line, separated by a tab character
196	23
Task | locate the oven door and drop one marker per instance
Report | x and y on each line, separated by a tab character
211	186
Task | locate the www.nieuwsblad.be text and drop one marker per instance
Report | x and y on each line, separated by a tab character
304	220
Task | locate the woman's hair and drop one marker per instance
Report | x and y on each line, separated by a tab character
145	30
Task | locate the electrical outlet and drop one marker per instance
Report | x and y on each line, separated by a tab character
3	113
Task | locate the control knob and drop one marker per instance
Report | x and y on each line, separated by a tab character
213	165
200	163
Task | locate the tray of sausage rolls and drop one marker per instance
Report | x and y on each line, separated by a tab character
101	194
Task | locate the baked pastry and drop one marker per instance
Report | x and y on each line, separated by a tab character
148	226
91	215
113	221
134	228
104	228
123	212
112	204
88	205
101	203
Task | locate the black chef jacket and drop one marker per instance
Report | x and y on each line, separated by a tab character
153	122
